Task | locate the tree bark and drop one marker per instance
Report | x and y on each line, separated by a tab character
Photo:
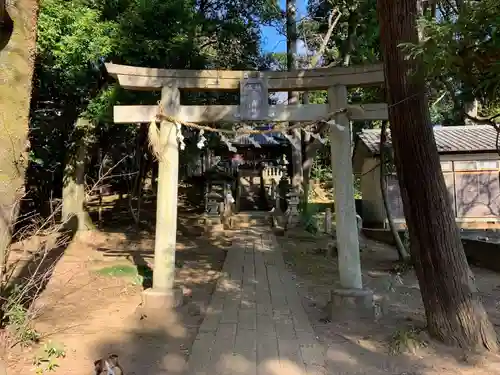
6	25
293	97
455	314
154	177
17	50
307	161
73	204
17	47
310	149
400	247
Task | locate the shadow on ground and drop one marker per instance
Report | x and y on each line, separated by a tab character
33	275
162	343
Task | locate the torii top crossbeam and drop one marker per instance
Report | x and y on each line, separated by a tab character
151	79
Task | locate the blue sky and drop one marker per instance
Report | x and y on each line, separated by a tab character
271	40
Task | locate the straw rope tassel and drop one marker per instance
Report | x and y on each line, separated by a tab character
154	140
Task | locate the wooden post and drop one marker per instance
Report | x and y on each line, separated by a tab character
345	210
163	295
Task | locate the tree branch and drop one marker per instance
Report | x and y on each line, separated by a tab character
331	25
479	120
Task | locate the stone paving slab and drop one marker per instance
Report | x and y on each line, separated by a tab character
256	324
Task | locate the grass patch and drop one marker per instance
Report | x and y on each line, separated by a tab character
139	274
301	257
406	340
119	270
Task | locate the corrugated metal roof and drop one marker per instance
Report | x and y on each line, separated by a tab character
449	139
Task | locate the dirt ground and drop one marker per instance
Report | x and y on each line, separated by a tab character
395	344
88	309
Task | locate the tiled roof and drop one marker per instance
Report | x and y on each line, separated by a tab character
449	139
279	139
260	139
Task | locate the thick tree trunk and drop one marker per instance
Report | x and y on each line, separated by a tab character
306	173
293	97
307	161
6	25
74	187
17	47
454	311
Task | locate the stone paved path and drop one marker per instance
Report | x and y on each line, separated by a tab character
256	324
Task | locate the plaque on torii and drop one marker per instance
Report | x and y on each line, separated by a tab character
254	98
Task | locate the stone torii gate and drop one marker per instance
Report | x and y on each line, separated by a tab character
254	88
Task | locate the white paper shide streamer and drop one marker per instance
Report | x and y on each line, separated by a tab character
201	140
228	143
180	137
154	138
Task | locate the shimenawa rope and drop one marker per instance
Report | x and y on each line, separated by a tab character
157	147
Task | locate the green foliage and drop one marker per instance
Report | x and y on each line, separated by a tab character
308	221
460	51
118	271
18	319
321	170
72	40
138	274
47	358
76	37
355	39
357	188
406	340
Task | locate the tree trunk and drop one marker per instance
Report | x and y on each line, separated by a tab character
6	25
403	254
307	162
310	149
17	47
293	97
154	177
73	205
454	312
142	166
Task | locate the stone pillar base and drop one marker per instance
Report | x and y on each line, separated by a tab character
213	224
292	221
158	300
355	304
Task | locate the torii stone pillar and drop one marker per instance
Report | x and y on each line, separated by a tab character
163	294
351	293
